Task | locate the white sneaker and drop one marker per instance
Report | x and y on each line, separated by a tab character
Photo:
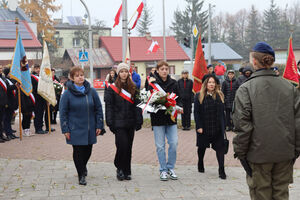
30	133
172	174
164	176
26	133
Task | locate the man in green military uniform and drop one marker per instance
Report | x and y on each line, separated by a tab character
266	117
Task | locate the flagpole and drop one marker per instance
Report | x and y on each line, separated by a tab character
164	32
125	30
19	91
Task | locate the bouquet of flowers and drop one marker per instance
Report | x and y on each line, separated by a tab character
58	88
159	100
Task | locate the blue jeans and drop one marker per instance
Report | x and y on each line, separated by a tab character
160	133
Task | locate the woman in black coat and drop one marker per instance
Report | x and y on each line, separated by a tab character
229	88
123	118
210	122
185	89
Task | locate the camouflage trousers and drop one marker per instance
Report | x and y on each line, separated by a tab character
270	181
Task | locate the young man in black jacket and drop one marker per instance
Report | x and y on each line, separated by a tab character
3	103
185	90
229	88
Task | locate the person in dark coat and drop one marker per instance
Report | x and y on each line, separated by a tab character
163	125
40	103
150	75
210	69
81	119
27	108
210	122
229	88
3	103
12	105
123	118
247	71
185	89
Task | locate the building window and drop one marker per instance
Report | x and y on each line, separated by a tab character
76	42
59	42
171	69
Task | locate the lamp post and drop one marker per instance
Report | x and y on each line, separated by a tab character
164	31
90	43
124	30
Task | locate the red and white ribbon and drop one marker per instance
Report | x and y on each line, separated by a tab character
32	98
3	84
124	94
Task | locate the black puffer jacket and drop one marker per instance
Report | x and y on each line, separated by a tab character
12	96
186	93
170	85
120	113
229	89
3	92
35	83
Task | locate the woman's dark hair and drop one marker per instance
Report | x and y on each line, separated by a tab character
129	86
110	78
161	63
266	60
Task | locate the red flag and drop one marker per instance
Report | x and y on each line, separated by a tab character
290	72
153	47
117	17
200	68
139	10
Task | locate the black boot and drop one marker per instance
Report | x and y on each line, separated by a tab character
120	175
1	140
222	174
82	180
85	173
201	167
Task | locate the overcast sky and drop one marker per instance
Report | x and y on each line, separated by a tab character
106	9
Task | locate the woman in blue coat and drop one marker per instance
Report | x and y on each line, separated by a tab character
81	119
210	122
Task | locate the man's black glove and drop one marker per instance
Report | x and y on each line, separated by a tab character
246	166
138	127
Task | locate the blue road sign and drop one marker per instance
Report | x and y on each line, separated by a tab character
83	56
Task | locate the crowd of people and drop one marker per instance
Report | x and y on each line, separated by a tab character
259	106
32	107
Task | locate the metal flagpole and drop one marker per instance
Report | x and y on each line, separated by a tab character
125	30
19	91
209	34
164	31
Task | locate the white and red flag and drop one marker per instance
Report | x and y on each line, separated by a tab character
153	47
117	17
139	13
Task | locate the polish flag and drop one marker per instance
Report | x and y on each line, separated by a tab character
117	17
139	11
153	47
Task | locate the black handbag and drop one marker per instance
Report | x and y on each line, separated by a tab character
226	143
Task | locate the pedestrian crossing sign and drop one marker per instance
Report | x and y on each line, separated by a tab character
83	56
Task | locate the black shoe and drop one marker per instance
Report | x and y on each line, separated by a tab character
222	174
10	137
4	138
188	128
82	180
201	168
120	175
13	135
1	140
52	130
41	132
127	177
13	131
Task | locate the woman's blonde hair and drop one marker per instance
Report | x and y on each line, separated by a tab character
217	91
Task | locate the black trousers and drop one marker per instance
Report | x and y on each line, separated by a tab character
39	111
81	156
219	153
8	113
124	140
26	118
187	110
229	122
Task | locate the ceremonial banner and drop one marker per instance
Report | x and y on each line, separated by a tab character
20	69
200	68
45	85
290	72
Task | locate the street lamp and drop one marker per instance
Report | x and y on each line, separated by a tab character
90	43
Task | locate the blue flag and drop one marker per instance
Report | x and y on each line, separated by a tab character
20	69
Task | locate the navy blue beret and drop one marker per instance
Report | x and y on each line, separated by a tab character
263	47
